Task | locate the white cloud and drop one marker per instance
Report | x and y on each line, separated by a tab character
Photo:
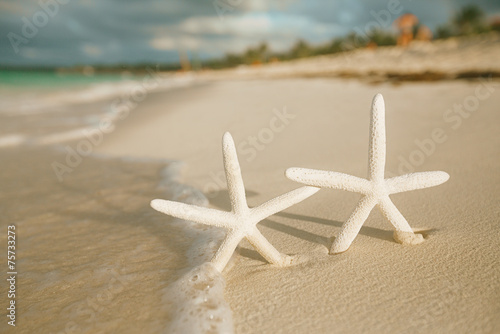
30	53
176	43
91	50
262	5
233	25
210	35
14	7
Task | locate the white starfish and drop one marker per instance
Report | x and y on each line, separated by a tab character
241	221
375	189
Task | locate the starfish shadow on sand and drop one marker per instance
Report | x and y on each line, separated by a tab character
368	231
375	189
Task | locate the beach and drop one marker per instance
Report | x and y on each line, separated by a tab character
94	257
447	284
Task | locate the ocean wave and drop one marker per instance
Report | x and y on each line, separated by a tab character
18	101
55	106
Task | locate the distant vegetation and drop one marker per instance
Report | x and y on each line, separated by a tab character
262	54
469	20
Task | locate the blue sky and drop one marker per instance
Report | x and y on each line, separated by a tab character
69	32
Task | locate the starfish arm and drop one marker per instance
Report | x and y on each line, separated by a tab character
194	213
403	232
234	180
351	227
264	247
226	250
281	202
327	179
392	214
377	149
415	181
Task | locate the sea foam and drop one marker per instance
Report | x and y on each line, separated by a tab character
199	305
196	300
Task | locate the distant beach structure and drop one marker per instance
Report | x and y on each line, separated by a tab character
405	24
184	61
410	29
424	33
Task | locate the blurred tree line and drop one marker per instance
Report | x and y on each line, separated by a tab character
468	20
262	54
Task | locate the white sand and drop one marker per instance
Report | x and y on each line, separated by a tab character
450	283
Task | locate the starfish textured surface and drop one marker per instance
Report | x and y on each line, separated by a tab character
375	190
241	221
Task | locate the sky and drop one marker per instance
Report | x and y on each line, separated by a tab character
77	32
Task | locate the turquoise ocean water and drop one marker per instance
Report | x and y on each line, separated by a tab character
54	79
